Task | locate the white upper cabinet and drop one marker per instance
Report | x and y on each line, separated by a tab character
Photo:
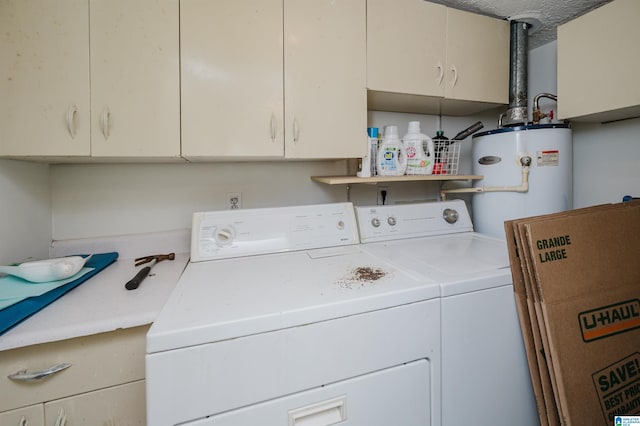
232	78
406	46
135	81
267	79
598	64
325	78
427	58
44	78
477	58
89	78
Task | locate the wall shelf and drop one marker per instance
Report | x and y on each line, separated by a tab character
342	180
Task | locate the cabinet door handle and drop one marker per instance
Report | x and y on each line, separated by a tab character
105	122
24	375
23	422
454	75
71	120
440	69
274	128
296	130
62	418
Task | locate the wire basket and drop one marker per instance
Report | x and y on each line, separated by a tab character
447	157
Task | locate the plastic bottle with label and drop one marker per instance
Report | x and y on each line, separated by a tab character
373	140
365	163
392	157
441	146
420	152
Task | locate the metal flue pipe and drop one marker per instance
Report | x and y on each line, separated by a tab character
518	96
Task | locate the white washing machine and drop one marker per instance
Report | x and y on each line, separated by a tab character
281	318
485	375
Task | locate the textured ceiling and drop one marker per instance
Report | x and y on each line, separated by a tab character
547	14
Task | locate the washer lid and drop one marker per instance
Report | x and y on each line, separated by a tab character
458	262
230	298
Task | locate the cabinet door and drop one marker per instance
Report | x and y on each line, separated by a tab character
135	81
477	58
44	77
32	415
406	47
325	78
231	70
597	66
117	405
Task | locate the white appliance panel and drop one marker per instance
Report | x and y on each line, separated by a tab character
485	375
217	377
234	233
392	222
395	396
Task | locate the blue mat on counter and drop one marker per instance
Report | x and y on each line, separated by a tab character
16	313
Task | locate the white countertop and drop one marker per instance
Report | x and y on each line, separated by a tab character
102	304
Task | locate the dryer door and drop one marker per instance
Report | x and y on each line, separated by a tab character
394	396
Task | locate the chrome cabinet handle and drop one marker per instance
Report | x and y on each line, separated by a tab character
105	122
23	422
24	375
72	111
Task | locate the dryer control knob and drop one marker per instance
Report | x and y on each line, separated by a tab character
450	215
391	221
375	222
225	236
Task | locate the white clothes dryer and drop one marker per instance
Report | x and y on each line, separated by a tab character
485	375
281	318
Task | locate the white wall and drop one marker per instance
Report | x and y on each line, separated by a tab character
25	211
113	199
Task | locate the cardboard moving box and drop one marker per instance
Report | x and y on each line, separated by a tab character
577	285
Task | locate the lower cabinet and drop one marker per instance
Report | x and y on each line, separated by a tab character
117	405
101	381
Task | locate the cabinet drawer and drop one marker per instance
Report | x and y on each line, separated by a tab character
97	361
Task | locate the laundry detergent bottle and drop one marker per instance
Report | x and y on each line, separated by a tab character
420	151
392	157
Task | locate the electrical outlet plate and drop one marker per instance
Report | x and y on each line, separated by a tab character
234	200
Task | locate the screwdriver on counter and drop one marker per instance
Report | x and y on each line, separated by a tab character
143	273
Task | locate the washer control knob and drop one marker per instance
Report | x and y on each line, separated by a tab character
450	215
375	222
391	221
340	225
